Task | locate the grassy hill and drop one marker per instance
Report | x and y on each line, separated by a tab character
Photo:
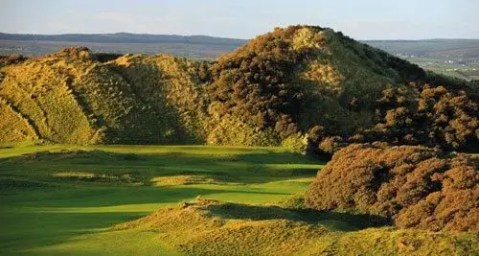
274	90
291	79
208	227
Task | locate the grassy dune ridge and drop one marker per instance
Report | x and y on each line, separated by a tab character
75	97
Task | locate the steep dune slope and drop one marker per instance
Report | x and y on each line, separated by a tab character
70	97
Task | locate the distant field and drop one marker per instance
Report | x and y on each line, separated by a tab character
452	57
64	199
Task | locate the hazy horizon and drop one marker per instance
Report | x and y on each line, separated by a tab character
365	20
234	38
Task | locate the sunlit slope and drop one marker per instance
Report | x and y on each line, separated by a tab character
71	97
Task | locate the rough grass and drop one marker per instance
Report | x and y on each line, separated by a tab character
207	227
310	76
69	97
183	180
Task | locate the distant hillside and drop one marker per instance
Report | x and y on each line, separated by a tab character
293	85
123	38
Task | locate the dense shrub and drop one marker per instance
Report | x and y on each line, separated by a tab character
435	116
11	59
412	185
253	85
416	114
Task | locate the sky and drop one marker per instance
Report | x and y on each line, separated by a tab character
359	19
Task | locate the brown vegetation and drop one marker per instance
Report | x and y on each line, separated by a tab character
413	185
417	114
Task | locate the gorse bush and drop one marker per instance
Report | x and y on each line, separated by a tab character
428	115
412	185
416	114
254	84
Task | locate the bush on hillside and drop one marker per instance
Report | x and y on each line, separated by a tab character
416	187
434	116
253	85
11	59
416	114
294	78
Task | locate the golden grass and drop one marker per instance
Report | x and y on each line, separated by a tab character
182	180
91	176
68	97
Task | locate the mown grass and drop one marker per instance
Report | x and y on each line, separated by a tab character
62	199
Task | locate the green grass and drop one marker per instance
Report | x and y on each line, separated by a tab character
61	199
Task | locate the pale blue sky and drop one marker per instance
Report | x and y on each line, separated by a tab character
360	19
